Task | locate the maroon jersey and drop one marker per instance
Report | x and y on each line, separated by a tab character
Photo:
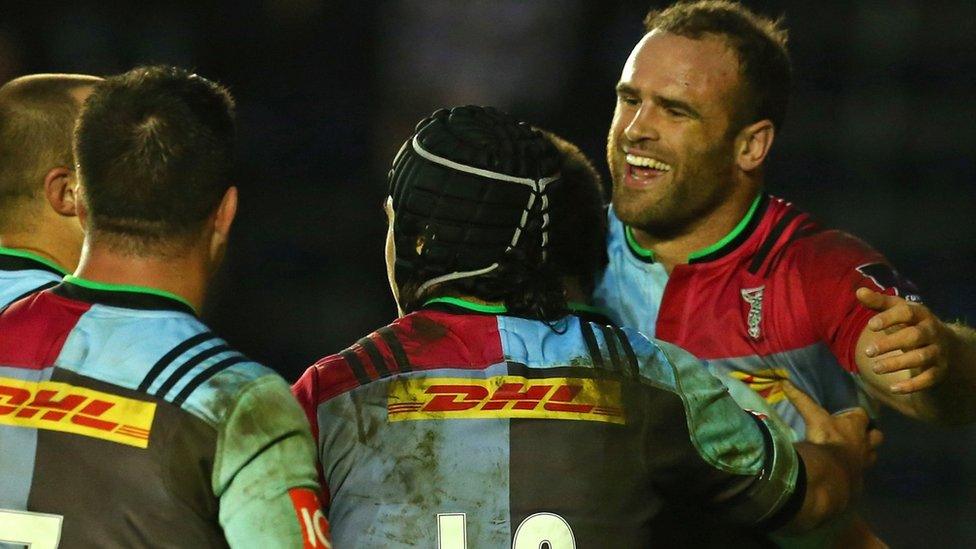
773	300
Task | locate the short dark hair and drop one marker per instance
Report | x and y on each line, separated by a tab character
37	114
759	43
578	229
155	150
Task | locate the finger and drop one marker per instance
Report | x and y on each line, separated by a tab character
925	380
905	339
858	416
810	411
875	301
875	438
901	313
922	358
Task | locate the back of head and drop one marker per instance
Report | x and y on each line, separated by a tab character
578	220
471	212
37	115
155	151
759	43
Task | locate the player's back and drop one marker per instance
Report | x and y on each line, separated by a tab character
450	425
124	422
22	273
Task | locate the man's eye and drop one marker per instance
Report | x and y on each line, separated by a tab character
628	100
676	112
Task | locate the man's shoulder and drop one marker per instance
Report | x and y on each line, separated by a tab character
792	239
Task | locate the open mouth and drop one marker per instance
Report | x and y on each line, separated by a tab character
643	170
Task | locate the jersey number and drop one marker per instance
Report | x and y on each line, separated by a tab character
36	530
536	532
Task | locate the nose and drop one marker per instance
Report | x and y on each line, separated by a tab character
643	125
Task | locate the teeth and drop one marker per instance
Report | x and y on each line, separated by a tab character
646	162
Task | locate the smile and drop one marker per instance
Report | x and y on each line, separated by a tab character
647	162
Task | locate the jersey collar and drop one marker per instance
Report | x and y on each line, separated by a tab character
723	247
121	295
457	304
12	259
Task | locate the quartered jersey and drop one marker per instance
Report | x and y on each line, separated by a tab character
773	300
22	273
457	424
124	422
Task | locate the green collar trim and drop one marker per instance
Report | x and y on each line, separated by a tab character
105	286
577	307
649	254
732	235
470	305
32	256
635	247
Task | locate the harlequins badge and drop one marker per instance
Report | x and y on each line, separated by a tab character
754	297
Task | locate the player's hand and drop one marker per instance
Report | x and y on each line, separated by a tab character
850	432
911	328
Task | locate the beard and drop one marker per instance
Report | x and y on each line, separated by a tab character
687	194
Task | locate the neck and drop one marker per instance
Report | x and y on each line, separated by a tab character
55	250
184	275
702	232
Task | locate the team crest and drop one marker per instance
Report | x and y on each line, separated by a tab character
754	297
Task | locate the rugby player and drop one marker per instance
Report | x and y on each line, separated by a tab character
124	421
487	415
40	237
701	256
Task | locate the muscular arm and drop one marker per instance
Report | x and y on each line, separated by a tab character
915	363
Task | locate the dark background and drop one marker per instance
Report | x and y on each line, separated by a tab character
879	141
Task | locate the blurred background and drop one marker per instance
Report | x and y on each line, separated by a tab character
879	141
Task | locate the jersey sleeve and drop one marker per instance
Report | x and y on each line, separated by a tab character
264	471
741	464
831	266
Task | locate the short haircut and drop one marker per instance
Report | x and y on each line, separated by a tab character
759	43
577	234
37	114
155	150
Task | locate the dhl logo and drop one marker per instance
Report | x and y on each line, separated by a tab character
62	407
764	382
505	397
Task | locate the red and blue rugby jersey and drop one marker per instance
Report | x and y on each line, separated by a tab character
773	300
458	424
23	273
124	422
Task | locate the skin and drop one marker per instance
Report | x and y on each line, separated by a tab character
55	233
677	102
183	268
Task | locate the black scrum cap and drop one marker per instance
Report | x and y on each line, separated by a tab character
469	192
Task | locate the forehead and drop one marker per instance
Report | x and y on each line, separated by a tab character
695	69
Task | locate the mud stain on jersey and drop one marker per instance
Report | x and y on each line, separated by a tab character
427	330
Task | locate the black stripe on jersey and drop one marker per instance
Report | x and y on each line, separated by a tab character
379	364
356	366
615	361
172	355
628	350
770	241
743	235
205	375
40	288
187	366
591	344
802	232
399	355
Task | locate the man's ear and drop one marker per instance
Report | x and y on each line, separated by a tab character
226	212
753	144
61	191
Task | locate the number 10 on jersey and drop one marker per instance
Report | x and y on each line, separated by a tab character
535	530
